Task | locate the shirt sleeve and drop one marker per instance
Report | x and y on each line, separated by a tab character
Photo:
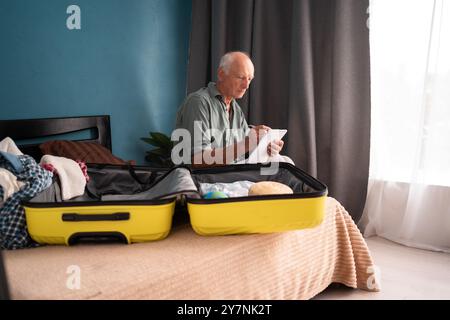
194	117
244	126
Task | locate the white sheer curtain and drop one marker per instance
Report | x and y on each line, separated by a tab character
408	197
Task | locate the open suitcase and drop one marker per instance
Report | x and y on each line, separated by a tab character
136	204
125	203
257	214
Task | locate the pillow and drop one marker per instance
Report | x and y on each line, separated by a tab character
89	152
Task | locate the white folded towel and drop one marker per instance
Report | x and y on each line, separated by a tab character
9	183
70	174
8	145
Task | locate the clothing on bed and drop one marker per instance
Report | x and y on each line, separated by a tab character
13	160
8	145
8	185
13	230
84	169
70	175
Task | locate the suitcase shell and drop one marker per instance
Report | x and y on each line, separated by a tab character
127	213
128	222
137	220
258	214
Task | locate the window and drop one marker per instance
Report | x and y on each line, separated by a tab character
410	70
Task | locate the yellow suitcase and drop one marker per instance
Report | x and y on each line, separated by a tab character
131	222
130	204
304	208
136	204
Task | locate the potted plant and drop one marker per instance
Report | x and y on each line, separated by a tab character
160	155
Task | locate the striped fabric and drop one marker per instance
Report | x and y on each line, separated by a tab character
88	152
289	265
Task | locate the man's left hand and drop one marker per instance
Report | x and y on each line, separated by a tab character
275	147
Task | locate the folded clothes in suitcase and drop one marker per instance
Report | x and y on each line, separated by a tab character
136	204
131	204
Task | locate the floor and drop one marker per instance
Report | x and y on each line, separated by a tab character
406	273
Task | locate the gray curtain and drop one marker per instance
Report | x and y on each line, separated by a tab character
312	77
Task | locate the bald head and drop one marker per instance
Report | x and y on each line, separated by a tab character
234	75
229	58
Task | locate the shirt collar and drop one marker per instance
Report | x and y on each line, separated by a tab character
212	89
213	92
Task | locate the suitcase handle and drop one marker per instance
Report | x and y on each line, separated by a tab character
77	217
96	237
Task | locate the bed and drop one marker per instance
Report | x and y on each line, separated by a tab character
289	265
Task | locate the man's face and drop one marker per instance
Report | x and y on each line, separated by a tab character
238	79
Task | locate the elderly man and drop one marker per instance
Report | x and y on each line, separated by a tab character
219	132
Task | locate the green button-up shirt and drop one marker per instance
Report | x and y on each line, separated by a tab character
206	112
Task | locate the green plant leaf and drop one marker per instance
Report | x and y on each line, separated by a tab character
159	152
152	158
151	141
163	139
161	155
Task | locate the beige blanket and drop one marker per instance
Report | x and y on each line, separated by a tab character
289	265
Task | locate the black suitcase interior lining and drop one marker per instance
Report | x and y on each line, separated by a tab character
116	183
109	184
296	179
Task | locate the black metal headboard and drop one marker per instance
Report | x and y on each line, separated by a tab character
48	127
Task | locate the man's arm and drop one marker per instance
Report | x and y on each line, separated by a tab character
219	156
227	155
193	117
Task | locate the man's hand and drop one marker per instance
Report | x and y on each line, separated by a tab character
254	136
275	147
257	132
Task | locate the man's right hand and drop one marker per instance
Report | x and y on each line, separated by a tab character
236	150
259	131
255	135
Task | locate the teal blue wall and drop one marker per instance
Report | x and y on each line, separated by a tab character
128	60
